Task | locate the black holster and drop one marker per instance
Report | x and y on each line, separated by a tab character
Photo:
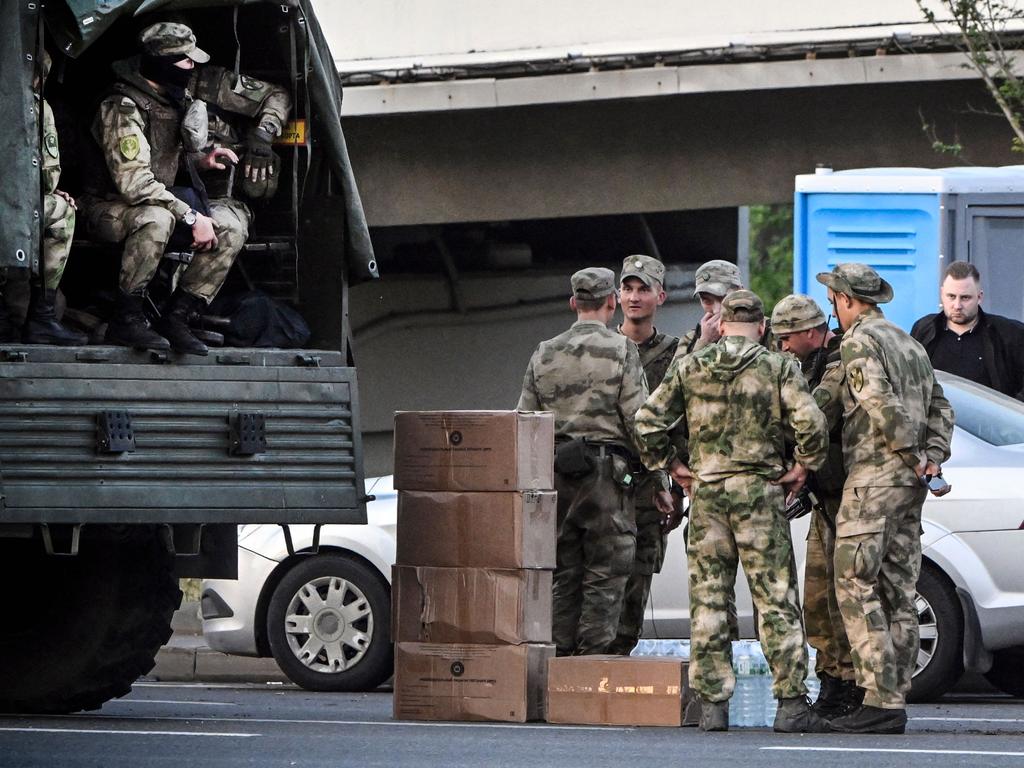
573	459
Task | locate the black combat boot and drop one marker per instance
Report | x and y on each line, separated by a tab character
129	327
795	715
174	323
868	719
9	332
714	715
836	697
41	325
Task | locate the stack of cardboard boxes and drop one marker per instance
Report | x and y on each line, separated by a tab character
471	588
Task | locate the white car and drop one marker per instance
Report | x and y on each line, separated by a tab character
325	617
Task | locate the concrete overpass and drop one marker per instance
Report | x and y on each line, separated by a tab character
496	153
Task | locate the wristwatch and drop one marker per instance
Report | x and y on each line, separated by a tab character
190	217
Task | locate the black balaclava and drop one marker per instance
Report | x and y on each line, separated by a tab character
161	69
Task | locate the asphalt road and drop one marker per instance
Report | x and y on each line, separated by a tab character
166	724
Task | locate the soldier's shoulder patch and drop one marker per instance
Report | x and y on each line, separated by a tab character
129	146
126	106
856	376
822	397
50	142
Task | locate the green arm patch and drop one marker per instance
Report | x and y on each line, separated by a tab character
129	146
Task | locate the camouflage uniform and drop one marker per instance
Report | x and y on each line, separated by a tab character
139	131
895	417
590	378
736	402
717	278
823	622
656	354
58	215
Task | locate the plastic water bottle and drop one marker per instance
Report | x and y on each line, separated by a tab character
753	695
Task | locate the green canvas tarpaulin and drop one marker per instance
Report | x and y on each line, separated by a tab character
75	25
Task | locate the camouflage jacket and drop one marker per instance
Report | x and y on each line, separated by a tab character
656	355
138	130
590	378
894	411
51	152
737	404
824	366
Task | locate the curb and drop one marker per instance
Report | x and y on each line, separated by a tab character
186	658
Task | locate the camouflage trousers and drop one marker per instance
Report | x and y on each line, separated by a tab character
877	562
733	521
58	231
596	543
823	622
146	229
650	554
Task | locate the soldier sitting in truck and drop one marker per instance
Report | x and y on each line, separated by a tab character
41	324
139	128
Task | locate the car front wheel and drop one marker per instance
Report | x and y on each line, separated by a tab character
329	625
940	619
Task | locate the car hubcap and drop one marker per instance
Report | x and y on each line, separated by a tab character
928	627
329	624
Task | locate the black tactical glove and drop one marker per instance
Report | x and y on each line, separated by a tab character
259	157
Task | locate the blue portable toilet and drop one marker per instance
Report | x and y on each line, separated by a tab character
909	224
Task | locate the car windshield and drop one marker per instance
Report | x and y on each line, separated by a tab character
985	413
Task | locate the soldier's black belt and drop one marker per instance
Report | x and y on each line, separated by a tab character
602	450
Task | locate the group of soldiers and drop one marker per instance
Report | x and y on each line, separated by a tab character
746	416
167	112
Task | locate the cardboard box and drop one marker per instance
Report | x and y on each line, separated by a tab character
470	682
477	530
474	451
617	690
470	605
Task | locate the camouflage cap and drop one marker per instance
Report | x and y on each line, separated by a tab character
593	283
716	277
858	281
169	39
647	269
796	313
742	307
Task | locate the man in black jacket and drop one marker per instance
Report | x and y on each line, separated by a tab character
964	340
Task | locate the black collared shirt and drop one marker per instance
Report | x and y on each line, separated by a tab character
961	354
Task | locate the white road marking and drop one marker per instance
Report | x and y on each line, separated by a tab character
123	732
893	750
973	719
383	723
173	701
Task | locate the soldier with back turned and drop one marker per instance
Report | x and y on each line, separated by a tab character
735	402
590	378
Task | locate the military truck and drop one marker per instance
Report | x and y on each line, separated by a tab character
123	470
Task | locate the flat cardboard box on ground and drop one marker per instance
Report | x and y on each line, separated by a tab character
470	605
617	690
474	451
477	529
470	682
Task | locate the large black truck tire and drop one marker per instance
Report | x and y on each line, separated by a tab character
79	630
